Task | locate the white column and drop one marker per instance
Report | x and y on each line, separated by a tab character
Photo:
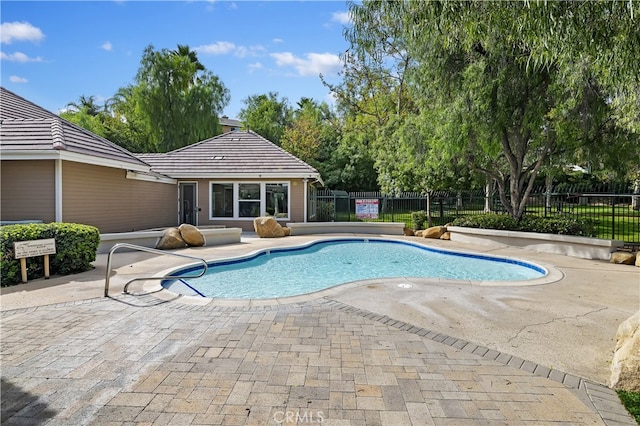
306	197
58	189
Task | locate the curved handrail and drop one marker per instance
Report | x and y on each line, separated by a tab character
149	250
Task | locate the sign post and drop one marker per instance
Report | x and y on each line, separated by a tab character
24	249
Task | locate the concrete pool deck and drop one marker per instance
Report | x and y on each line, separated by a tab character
431	352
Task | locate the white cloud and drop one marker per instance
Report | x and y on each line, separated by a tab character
314	64
277	40
107	46
16	79
341	17
226	47
217	48
254	66
19	57
19	31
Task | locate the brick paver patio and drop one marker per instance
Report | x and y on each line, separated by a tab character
137	360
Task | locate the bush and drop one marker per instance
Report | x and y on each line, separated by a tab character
541	224
418	219
76	247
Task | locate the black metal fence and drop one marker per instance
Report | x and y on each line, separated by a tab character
613	210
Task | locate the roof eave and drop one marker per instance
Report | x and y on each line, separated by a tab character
71	156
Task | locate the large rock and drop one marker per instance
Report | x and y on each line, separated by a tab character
625	367
434	232
623	257
407	232
268	227
191	235
171	239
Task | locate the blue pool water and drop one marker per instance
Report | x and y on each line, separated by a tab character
300	270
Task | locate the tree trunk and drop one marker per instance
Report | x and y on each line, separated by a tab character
488	195
635	199
429	220
548	182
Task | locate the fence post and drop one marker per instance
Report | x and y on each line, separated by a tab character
613	218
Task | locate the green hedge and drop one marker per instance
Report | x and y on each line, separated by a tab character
76	247
530	223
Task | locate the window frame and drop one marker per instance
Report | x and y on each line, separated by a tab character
236	199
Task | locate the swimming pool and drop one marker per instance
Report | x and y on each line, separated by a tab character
283	272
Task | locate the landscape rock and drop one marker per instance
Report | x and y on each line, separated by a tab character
434	232
171	239
623	257
625	366
287	231
191	235
268	227
446	236
418	233
407	232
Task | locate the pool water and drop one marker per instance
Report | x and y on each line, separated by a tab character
320	265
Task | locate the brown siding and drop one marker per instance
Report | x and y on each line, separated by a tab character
28	190
105	198
296	203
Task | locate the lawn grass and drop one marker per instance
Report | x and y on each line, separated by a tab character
631	401
625	226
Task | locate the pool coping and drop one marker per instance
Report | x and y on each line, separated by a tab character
553	275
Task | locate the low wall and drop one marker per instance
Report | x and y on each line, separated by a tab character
213	237
387	228
570	245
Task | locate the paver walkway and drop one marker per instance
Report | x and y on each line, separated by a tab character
138	360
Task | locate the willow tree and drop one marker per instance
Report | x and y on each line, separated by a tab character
175	98
511	83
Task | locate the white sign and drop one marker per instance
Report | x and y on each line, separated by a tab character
367	209
34	248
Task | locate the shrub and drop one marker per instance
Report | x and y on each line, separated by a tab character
325	211
76	247
418	219
541	224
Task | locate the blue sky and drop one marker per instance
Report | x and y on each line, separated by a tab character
53	52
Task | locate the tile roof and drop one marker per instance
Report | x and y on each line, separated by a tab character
239	154
28	129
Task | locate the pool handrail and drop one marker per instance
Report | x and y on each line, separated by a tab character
149	250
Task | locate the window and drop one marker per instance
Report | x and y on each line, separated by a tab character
277	199
248	200
222	200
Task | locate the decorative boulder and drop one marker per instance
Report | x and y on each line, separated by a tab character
267	227
625	366
287	231
434	232
418	233
407	232
171	239
191	235
623	257
446	236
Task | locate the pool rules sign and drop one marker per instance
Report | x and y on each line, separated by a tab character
24	249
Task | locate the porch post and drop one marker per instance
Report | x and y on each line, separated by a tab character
58	189
306	198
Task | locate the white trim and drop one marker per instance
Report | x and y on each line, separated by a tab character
73	156
236	199
180	200
58	189
305	182
148	178
240	175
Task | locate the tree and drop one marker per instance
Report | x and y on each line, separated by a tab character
501	102
266	115
176	99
